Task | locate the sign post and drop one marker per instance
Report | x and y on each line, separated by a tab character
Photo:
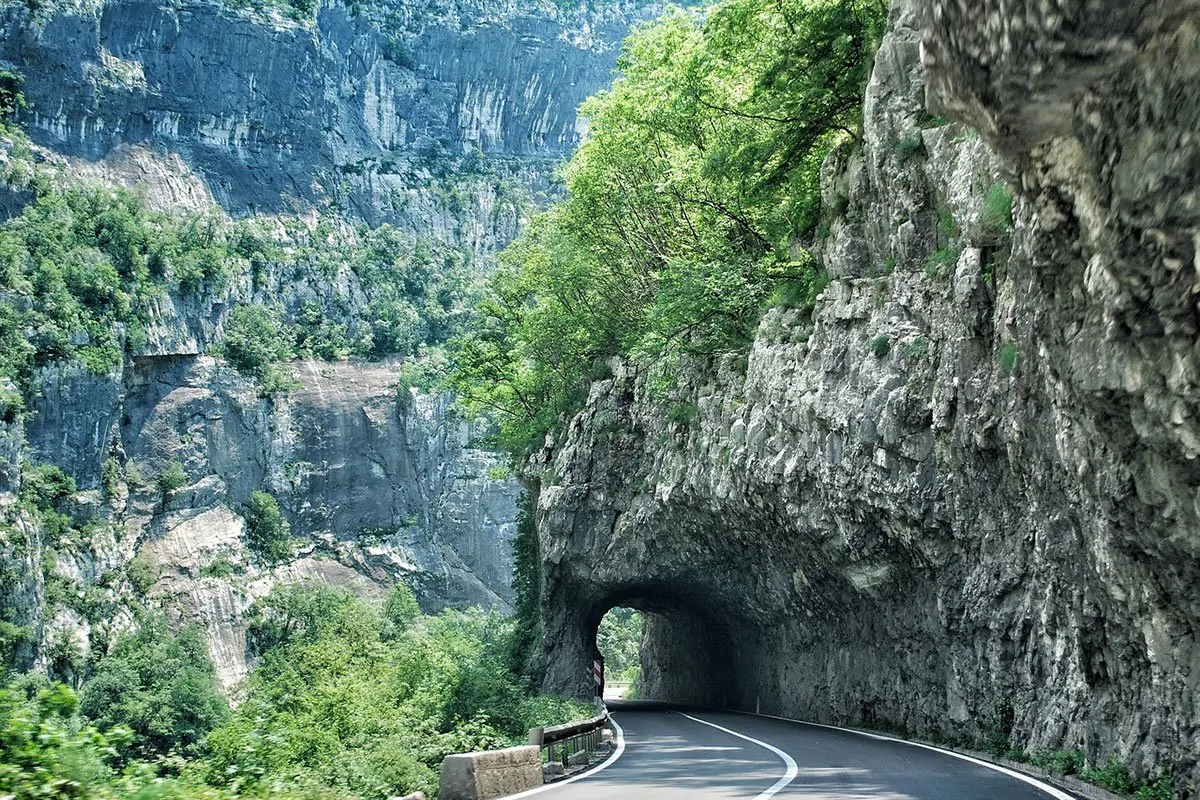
598	676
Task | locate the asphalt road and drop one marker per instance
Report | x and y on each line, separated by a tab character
673	755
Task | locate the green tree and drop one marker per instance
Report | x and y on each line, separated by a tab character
254	339
171	479
526	635
160	685
619	638
699	176
11	96
268	534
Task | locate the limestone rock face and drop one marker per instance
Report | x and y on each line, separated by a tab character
444	119
379	484
358	111
962	493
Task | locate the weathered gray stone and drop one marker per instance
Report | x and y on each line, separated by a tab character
994	523
345	110
392	486
491	773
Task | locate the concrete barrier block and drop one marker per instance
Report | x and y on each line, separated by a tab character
493	773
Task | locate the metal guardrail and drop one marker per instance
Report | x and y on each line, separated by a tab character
560	742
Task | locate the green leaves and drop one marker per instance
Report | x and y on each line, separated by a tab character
268	534
699	177
366	698
161	686
11	96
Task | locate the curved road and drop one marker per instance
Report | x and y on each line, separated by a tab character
679	754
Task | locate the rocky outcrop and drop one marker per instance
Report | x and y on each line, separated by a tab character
380	484
961	494
367	111
445	119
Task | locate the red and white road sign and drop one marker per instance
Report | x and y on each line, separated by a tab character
597	673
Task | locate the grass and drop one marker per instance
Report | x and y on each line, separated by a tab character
908	148
917	348
941	262
947	226
683	413
1008	358
881	346
997	209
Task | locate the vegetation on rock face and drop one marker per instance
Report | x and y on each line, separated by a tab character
699	174
11	96
85	267
527	588
268	534
161	687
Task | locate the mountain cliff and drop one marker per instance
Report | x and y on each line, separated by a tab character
956	499
442	122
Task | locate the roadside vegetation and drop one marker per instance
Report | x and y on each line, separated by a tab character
698	178
351	698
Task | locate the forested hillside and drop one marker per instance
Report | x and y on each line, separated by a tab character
688	208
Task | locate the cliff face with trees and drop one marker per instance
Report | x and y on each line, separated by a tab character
236	238
952	490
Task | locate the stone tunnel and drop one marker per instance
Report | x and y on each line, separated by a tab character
990	525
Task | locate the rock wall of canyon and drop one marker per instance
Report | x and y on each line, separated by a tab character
961	494
445	120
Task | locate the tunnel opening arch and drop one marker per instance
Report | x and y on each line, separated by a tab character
695	648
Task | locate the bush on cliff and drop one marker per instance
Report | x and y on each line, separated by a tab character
699	174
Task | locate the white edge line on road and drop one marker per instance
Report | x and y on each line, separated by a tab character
1021	776
789	762
605	764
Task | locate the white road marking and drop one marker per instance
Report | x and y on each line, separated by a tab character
603	765
788	776
1012	773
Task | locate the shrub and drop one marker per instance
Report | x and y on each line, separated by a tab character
142	572
400	609
941	262
171	479
1113	775
11	406
45	486
881	346
683	413
997	209
253	339
277	379
1060	762
268	534
947	226
908	148
221	568
1008	358
800	292
917	348
161	686
1159	788
45	752
11	96
110	477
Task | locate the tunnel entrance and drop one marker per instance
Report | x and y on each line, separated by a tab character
619	642
665	644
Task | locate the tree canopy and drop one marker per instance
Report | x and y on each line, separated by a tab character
684	206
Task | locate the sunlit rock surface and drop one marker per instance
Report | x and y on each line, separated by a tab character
444	119
955	498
